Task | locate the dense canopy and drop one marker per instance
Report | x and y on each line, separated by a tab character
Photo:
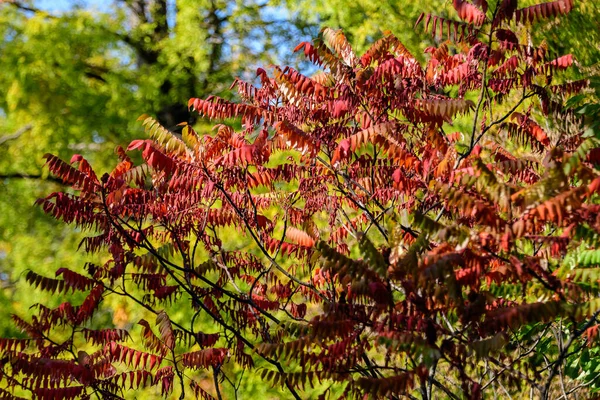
418	219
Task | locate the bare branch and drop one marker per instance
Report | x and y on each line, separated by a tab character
16	134
39	177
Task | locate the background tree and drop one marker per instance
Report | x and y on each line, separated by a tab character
73	77
405	230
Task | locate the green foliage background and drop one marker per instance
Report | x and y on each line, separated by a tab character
75	81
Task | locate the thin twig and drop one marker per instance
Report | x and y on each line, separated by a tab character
216	381
16	134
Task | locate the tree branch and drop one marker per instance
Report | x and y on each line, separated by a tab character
22	175
564	353
23	7
16	134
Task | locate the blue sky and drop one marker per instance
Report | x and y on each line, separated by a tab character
64	5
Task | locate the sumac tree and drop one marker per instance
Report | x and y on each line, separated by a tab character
419	231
